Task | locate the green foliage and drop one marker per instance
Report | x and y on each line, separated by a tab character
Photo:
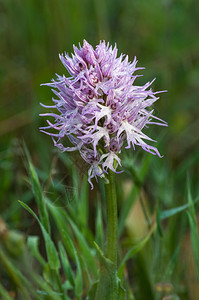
109	286
99	237
33	244
36	188
58	259
194	230
50	247
132	252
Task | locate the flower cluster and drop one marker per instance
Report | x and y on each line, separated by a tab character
100	109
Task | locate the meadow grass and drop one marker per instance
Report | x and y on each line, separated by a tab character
49	218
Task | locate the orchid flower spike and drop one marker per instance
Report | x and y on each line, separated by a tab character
99	108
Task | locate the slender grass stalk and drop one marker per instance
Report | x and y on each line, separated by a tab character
112	219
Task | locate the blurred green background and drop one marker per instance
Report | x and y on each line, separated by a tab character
163	34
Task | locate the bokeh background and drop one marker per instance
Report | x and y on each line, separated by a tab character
162	34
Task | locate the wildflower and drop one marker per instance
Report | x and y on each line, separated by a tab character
100	110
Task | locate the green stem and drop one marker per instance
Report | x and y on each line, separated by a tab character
112	219
107	288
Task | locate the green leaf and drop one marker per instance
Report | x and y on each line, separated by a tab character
135	249
66	265
194	229
92	291
46	289
37	191
171	212
78	280
171	265
39	198
33	244
194	241
86	251
109	286
61	221
47	294
158	221
52	255
190	201
53	278
121	292
61	218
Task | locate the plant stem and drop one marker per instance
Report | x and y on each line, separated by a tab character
112	219
107	288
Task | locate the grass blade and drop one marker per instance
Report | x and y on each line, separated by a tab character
194	228
66	265
135	249
37	192
33	244
78	279
39	198
52	255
